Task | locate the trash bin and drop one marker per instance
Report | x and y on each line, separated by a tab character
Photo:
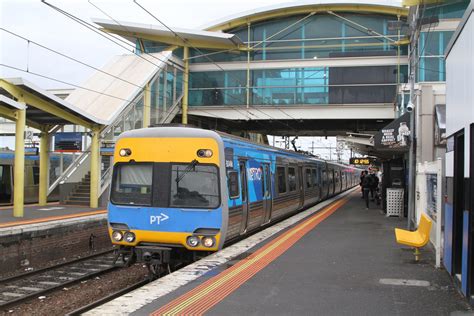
395	198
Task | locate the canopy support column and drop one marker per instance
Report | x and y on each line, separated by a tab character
147	106
19	164
43	168
94	193
185	85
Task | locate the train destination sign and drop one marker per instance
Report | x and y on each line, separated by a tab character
361	161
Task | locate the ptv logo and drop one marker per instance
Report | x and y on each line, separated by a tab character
158	219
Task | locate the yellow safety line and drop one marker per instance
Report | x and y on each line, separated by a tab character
232	274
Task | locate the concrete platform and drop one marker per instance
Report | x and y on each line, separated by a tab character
340	260
48	233
52	212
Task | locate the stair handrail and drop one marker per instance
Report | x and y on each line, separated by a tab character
70	170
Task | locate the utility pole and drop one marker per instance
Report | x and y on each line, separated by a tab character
411	108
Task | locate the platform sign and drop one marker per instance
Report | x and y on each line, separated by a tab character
68	142
361	161
31	151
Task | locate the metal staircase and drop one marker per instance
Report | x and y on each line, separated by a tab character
80	194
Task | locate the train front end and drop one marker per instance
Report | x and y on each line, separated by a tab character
167	192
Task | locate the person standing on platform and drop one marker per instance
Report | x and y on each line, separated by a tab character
362	176
366	189
374	183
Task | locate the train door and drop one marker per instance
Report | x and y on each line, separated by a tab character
244	196
5	184
267	193
301	186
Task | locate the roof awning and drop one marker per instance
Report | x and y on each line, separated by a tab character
43	109
157	33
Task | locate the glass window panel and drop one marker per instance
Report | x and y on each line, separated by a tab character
309	178
169	86
196	187
292	179
281	179
132	184
431	69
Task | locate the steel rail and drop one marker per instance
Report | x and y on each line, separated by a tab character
7	285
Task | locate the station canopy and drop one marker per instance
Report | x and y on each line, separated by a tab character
157	33
43	108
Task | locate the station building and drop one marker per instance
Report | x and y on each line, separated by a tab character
315	68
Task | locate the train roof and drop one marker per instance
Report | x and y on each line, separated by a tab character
185	131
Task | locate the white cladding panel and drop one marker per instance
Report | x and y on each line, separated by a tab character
460	81
449	164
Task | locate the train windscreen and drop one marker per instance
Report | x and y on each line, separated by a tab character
132	184
196	187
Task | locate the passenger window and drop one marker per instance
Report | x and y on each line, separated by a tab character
309	180
292	179
35	175
233	184
315	177
281	179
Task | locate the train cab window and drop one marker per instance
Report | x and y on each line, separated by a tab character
132	184
281	179
196	187
315	177
292	179
233	184
309	178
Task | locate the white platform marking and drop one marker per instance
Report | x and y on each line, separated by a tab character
404	282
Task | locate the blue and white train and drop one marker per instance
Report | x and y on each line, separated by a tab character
188	190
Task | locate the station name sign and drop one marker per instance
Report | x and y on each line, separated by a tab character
361	161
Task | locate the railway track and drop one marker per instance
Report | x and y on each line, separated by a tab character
17	289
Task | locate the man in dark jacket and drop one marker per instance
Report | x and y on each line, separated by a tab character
362	176
365	189
374	183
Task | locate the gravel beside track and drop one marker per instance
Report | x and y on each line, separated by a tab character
71	298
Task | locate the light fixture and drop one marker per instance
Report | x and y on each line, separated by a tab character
192	241
129	237
117	236
208	242
125	152
204	153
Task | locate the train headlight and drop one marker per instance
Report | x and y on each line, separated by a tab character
192	241
129	237
117	236
204	153
208	242
125	152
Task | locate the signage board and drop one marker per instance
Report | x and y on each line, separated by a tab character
361	161
394	136
68	142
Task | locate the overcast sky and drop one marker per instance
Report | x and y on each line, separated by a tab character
37	22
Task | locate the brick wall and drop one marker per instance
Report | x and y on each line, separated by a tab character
36	248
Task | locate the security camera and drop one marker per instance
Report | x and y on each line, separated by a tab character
410	106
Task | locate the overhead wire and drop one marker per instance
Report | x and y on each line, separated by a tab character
212	61
101	33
